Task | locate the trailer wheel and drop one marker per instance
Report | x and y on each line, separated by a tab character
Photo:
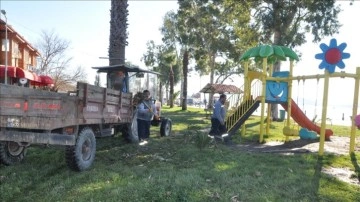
11	153
80	156
130	131
165	128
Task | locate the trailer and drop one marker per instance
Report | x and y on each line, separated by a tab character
73	120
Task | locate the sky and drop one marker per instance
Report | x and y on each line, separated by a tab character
86	25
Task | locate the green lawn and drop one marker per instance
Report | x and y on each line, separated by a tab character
182	167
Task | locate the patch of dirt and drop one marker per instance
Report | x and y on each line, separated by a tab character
336	145
343	174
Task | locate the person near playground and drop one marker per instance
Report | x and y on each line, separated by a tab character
218	117
145	113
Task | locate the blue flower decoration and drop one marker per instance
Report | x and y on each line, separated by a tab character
332	56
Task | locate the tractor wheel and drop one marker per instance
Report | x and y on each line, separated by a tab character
165	128
130	131
11	153
80	156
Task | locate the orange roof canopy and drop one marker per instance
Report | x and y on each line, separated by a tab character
220	88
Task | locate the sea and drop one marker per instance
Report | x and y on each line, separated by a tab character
335	115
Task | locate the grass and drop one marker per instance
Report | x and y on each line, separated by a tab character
182	167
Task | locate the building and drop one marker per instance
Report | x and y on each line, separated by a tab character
21	59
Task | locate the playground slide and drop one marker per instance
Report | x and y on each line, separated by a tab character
244	117
300	118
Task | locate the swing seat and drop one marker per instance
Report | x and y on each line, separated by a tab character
287	131
306	134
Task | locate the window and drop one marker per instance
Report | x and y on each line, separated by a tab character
4	43
15	50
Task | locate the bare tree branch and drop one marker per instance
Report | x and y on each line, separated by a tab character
55	63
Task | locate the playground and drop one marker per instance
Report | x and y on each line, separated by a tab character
267	87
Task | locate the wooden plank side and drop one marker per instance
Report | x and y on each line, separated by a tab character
12	106
66	116
36	109
95	93
105	105
92	110
44	107
36	123
91	103
112	99
12	90
91	96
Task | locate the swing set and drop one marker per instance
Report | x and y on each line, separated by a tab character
296	130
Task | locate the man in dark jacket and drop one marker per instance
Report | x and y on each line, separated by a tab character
218	117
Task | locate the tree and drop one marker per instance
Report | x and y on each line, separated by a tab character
118	31
54	62
221	33
174	35
168	59
150	59
286	23
163	60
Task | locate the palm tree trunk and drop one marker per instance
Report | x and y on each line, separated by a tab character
118	31
171	79
185	73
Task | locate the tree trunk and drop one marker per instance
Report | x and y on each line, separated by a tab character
276	68
185	73
118	32
212	74
171	79
161	93
167	95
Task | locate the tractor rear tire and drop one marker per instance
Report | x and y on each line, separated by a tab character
11	153
130	131
80	156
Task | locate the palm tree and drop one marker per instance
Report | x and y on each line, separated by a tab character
118	31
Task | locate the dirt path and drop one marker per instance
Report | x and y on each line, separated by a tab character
337	145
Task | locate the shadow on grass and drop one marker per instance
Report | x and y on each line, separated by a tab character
355	164
317	174
252	144
254	124
250	125
179	112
